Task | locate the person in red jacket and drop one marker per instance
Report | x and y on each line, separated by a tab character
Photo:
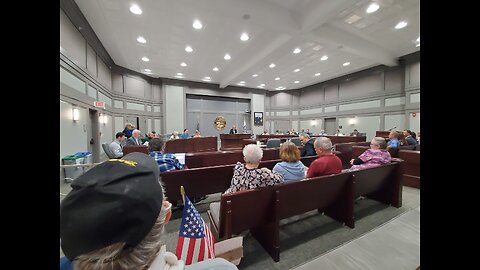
327	162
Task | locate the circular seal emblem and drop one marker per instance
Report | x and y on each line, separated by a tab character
220	123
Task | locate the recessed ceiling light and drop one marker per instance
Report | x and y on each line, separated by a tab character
272	65
180	77
277	78
207	78
141	39
255	75
183	64
145	59
244	37
135	9
296	70
297	50
418	45
227	57
346	64
148	70
179	74
401	25
317	74
296	81
197	24
242	82
324	58
215	69
188	49
262	84
418	39
372	7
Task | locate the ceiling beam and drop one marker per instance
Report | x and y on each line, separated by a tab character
353	44
320	12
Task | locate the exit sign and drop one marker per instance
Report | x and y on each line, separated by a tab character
100	104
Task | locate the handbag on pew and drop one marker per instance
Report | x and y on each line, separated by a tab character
230	249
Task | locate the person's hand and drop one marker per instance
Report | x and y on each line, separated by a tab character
351	161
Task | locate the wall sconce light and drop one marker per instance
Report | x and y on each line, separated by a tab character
75	114
313	123
352	121
103	119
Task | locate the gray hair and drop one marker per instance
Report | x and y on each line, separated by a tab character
252	153
112	257
381	142
136	131
305	135
323	143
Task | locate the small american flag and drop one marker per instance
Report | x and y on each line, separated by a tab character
195	241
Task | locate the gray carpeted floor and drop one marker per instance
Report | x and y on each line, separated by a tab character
305	237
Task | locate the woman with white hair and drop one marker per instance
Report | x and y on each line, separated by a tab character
375	156
249	176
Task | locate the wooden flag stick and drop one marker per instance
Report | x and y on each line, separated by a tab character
182	191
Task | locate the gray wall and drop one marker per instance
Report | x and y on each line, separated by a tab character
84	78
378	99
202	110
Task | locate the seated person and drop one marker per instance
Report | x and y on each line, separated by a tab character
135	139
166	162
355	133
327	162
233	130
418	137
184	135
197	134
116	145
375	156
96	235
265	132
339	133
393	141
174	135
249	176
322	133
308	148
291	168
128	130
409	138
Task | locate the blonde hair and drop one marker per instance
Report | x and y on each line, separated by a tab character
115	257
289	152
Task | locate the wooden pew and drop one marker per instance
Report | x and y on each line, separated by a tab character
411	167
127	149
382	183
346	151
206	159
260	210
191	145
199	182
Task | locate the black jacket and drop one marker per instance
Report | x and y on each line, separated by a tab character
308	149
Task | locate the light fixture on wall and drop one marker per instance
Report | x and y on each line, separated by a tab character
103	119
75	114
352	121
313	123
